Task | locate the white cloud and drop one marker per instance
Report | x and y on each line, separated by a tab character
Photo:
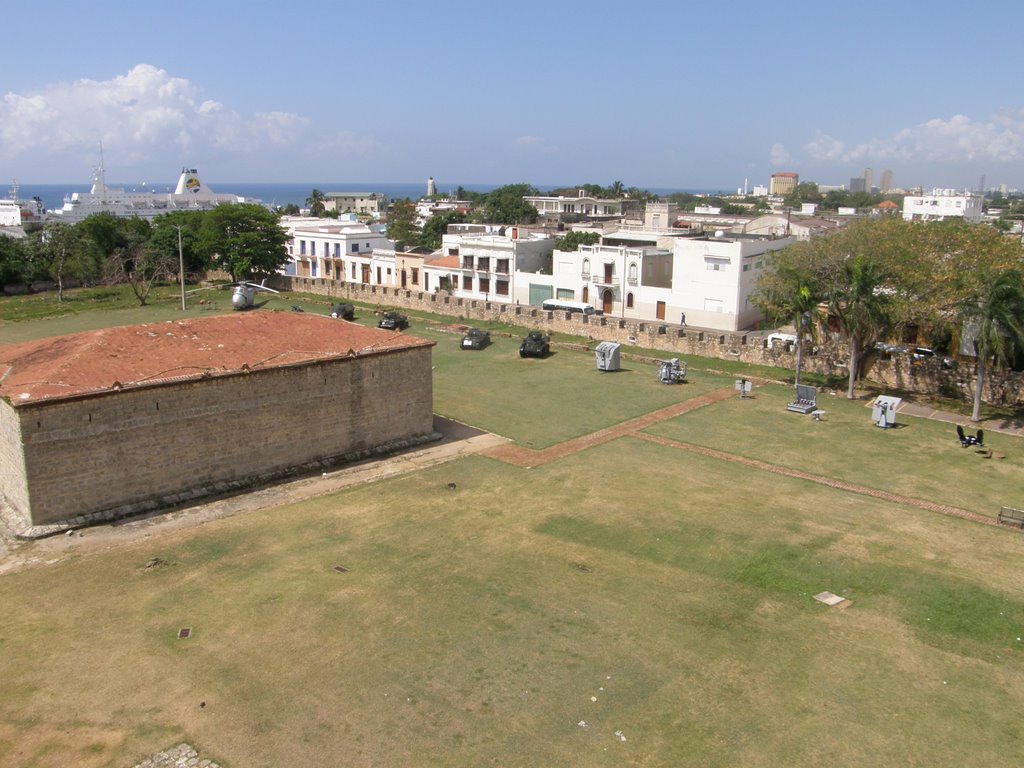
147	116
958	139
779	156
529	141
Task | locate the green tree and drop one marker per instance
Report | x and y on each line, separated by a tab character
244	240
573	240
860	303
997	313
505	205
61	246
14	261
315	201
402	222
436	226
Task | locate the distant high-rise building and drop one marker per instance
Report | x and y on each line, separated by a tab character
869	178
886	180
431	187
857	184
784	182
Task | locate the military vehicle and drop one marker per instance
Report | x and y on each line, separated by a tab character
343	311
536	344
393	321
475	338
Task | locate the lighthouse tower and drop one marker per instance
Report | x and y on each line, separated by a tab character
431	187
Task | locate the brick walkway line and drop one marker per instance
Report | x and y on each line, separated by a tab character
528	458
842	485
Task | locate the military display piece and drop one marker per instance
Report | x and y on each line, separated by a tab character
475	338
672	371
806	399
243	294
393	321
343	311
744	387
536	344
607	356
883	411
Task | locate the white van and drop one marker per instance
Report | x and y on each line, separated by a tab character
562	305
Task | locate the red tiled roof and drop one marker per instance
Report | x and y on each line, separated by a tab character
445	261
179	350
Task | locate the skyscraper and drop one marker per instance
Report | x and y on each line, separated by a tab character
868	179
886	180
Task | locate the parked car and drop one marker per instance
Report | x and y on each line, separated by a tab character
785	338
393	321
343	311
924	353
475	338
536	344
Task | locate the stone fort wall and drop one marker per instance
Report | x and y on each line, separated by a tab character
125	452
827	358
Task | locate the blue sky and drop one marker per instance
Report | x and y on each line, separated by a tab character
655	94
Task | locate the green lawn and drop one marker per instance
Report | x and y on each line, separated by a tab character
920	458
474	627
631	604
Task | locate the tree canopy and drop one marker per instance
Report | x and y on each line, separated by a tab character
244	240
505	205
573	240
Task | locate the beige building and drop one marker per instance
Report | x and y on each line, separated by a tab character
109	423
783	183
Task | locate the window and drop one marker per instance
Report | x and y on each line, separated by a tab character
302	247
485	285
355	247
467	282
586	266
632	273
501	287
337	250
415	276
629	301
353	271
746	267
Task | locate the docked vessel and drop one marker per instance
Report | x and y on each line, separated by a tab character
190	194
14	212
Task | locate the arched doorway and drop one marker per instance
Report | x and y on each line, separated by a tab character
606	301
586	294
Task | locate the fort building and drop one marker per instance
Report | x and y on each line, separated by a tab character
109	423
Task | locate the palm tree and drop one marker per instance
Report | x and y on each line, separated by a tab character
860	305
617	188
999	316
315	201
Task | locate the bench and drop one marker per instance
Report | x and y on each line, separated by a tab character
1011	516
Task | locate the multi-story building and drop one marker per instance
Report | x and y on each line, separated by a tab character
367	203
339	251
705	281
942	204
783	183
483	265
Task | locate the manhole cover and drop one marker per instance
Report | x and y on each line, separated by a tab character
184	632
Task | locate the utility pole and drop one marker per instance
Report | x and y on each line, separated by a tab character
181	268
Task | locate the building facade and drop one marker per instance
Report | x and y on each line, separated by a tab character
125	420
942	204
783	183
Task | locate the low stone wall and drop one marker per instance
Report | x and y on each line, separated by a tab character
829	359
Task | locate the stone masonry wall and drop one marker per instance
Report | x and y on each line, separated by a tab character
148	447
12	462
924	376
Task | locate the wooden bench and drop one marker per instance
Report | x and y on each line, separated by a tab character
1011	516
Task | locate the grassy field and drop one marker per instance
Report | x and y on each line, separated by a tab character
630	604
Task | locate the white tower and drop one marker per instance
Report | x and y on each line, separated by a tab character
431	187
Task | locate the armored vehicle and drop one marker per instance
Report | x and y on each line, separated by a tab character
393	321
343	311
475	338
536	344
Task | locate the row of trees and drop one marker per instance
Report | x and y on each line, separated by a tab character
888	278
243	240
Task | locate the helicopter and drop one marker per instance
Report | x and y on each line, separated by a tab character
243	294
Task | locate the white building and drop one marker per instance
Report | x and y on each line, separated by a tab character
707	280
942	204
582	206
367	203
484	265
339	251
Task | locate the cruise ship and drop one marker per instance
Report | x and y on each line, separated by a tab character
17	213
190	194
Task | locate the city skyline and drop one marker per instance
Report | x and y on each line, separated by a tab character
669	96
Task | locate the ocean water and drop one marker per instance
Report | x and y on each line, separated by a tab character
53	195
